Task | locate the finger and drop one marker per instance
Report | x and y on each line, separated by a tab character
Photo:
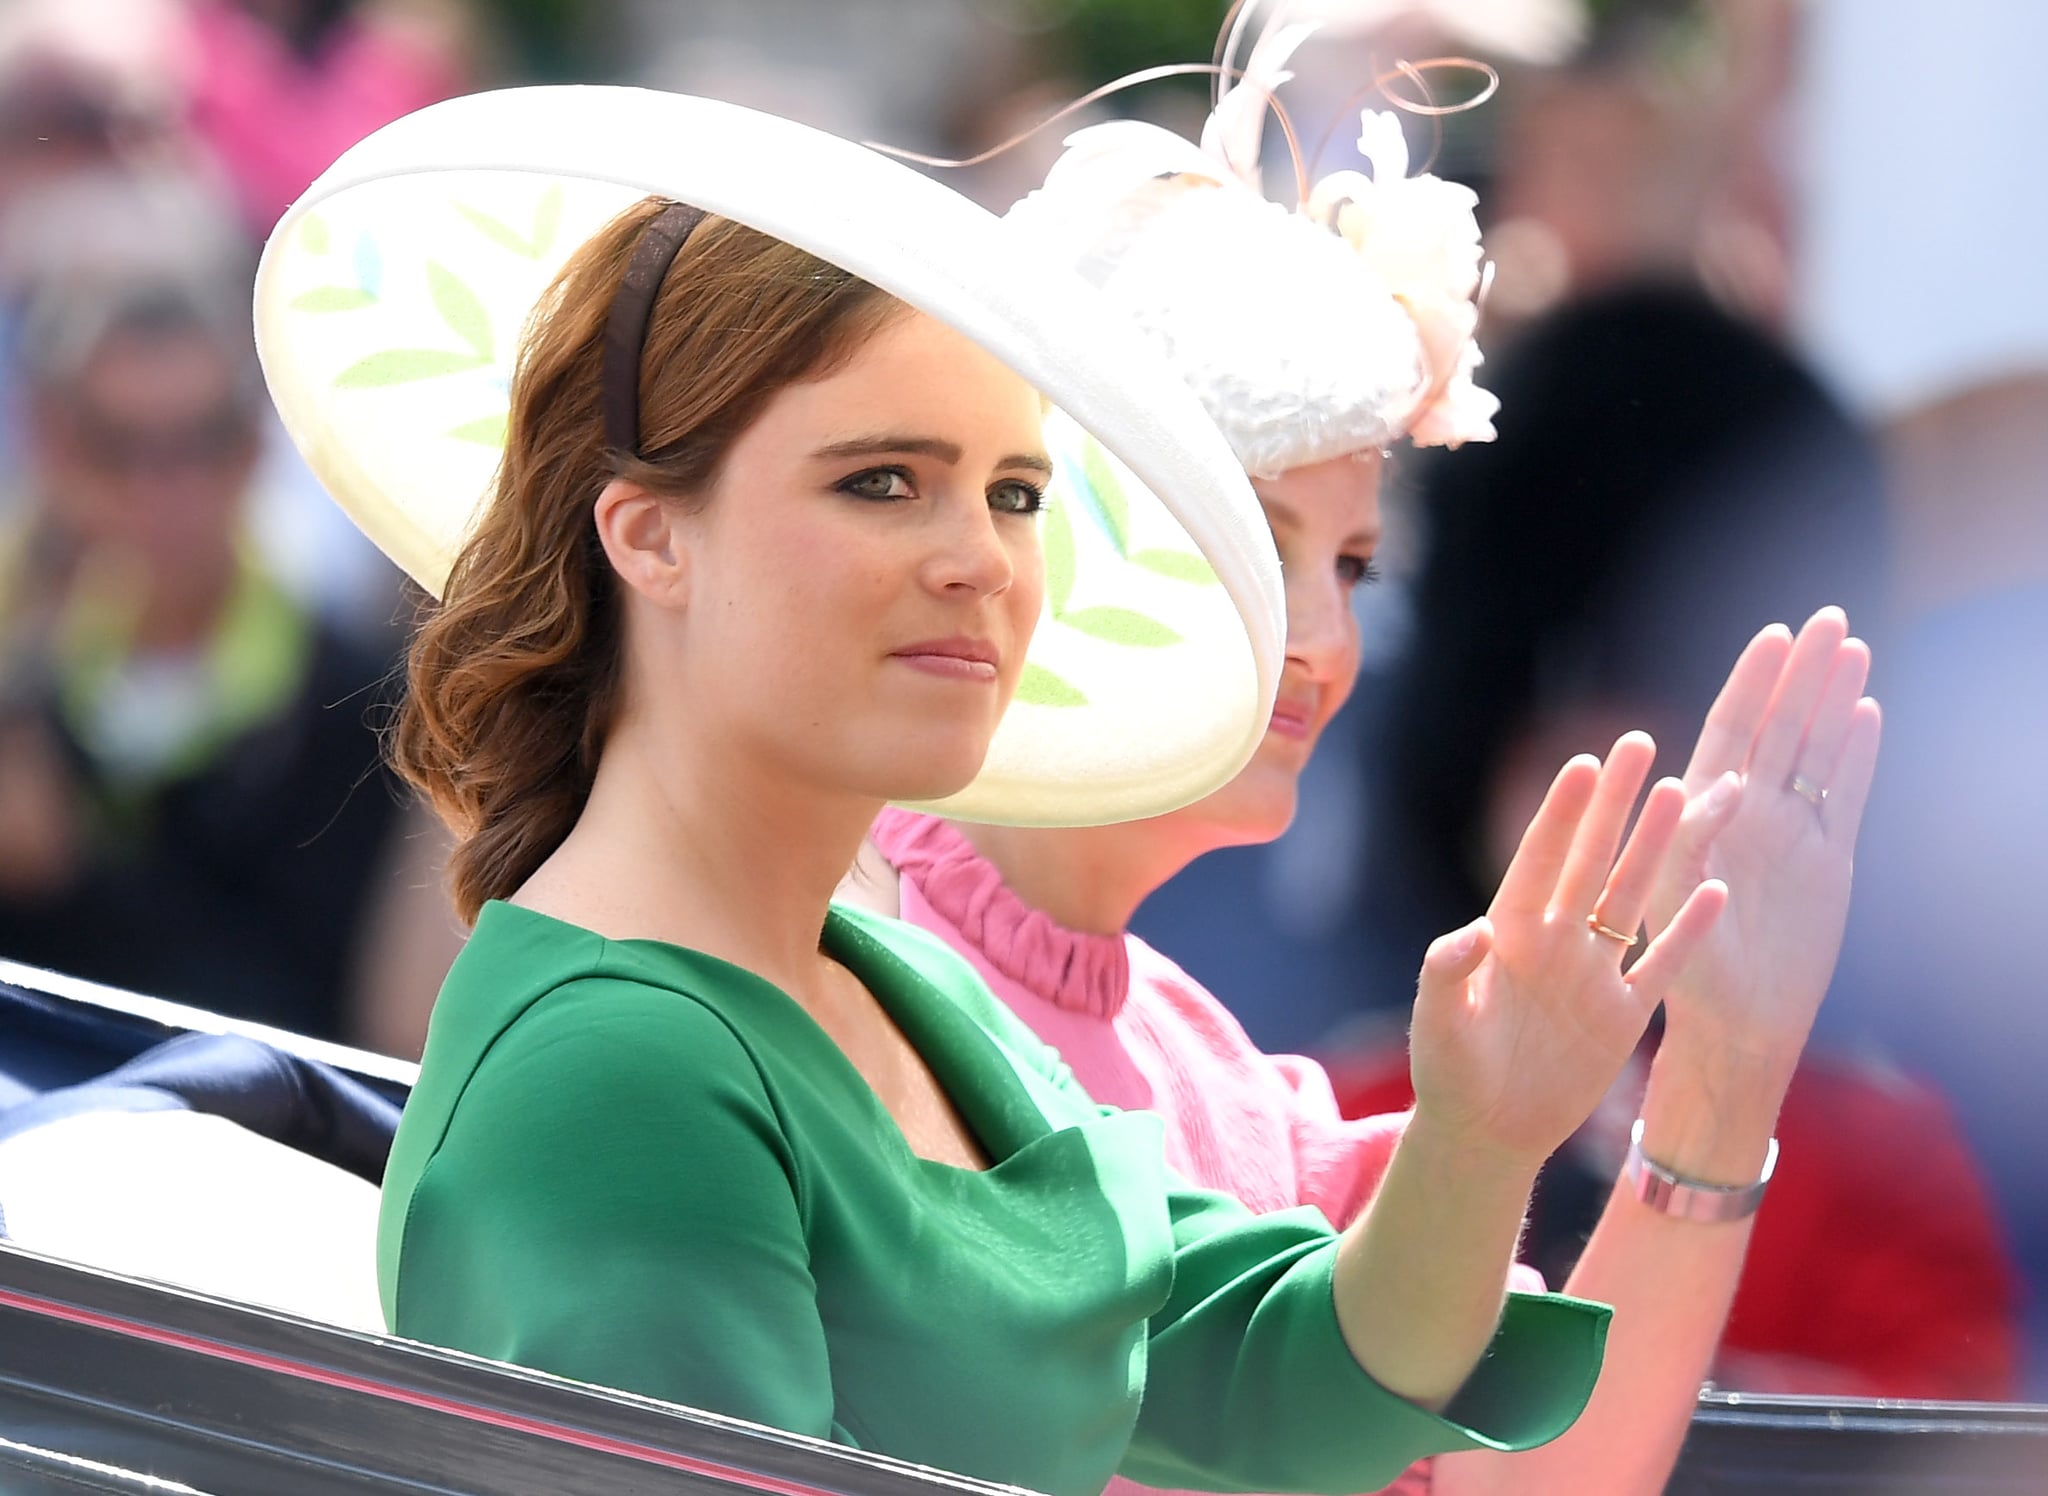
1706	817
1626	897
1544	846
1592	851
1799	691
1452	959
1842	812
1443	989
1738	712
1650	978
1830	726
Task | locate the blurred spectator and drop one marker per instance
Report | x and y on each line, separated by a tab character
191	803
1667	480
279	88
1955	847
87	88
84	82
1656	150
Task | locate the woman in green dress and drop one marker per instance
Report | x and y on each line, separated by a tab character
685	1127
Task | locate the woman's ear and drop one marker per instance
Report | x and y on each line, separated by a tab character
642	537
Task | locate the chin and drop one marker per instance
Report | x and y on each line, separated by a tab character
1255	807
927	767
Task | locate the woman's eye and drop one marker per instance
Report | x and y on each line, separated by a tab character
1354	570
880	483
1015	496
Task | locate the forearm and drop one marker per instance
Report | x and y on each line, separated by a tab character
1421	1276
1671	1282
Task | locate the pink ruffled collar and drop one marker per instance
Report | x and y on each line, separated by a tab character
1083	973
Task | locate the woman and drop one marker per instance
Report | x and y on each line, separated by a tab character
684	1128
1303	333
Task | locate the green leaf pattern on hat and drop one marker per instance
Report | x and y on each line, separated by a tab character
360	293
547	222
1087	481
459	307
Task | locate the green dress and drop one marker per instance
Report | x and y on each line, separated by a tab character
638	1165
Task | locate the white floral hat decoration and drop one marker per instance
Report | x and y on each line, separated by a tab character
391	298
1332	327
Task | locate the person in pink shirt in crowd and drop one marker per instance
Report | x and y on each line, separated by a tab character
279	88
1316	338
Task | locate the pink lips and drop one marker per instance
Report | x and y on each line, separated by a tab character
1291	719
957	658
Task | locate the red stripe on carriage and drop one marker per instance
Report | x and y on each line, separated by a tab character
561	1433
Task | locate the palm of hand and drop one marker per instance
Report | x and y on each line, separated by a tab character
1790	707
1549	1004
1524	1019
1766	965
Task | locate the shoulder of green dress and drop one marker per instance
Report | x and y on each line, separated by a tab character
582	1085
517	957
532	994
605	1033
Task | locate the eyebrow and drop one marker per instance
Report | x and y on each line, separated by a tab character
926	446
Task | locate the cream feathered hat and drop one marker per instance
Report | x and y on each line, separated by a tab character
1308	331
389	308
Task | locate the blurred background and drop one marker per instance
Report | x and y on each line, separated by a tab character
1768	333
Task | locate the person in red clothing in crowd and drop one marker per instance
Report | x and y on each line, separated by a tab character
1877	1266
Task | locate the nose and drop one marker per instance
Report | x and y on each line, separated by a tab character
969	553
1320	626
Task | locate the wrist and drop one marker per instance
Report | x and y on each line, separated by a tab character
1732	1043
1711	1122
1671	1193
1449	1153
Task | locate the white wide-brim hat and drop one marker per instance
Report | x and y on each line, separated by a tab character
390	302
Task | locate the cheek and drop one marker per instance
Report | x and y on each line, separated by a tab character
1350	658
767	584
1027	585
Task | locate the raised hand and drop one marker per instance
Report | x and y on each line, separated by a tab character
1793	725
1524	1018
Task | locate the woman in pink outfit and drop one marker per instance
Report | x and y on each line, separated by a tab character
1316	338
282	87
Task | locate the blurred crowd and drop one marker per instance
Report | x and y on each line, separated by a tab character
194	644
197	651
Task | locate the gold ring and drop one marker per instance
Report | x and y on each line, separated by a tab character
1808	791
1593	924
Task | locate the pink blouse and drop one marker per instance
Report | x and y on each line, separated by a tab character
1140	1033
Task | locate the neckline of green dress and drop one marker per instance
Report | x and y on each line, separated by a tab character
969	1065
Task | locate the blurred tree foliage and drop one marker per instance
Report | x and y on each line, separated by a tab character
1098	40
550	41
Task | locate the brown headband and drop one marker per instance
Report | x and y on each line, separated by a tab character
625	332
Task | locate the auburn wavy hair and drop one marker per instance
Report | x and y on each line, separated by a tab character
512	681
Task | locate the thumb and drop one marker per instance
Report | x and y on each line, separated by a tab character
1706	816
1451	959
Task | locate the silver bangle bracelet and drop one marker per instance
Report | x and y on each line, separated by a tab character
1688	1199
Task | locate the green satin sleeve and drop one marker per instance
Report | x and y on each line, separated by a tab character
1251	1387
